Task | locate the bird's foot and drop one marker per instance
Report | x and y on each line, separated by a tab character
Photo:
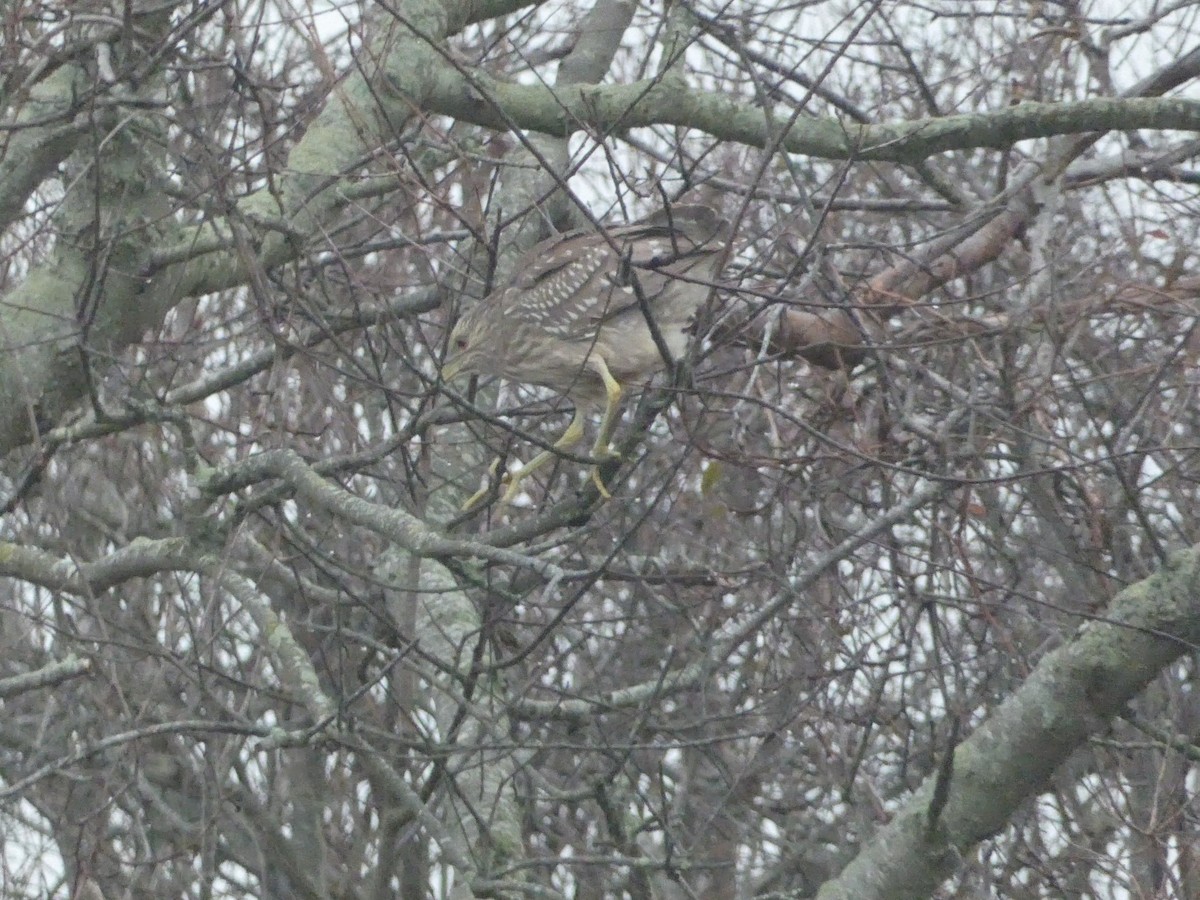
477	497
599	483
513	488
602	452
511	481
605	452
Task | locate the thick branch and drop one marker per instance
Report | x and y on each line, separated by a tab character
402	527
563	110
46	135
40	335
1072	694
47	676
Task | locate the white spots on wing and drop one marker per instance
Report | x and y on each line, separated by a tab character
659	253
565	295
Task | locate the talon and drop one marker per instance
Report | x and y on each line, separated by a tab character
472	501
605	453
510	492
599	483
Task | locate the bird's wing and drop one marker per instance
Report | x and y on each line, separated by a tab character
570	284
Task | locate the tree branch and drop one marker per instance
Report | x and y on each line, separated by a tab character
1072	694
487	101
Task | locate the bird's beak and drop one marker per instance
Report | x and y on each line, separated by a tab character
452	368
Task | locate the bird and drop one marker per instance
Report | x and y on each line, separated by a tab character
590	311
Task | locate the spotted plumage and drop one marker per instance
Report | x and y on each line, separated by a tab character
576	317
574	298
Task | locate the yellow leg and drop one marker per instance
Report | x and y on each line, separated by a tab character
612	409
599	483
569	439
474	499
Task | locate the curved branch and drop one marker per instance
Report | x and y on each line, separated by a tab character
1072	694
402	527
487	101
48	676
42	364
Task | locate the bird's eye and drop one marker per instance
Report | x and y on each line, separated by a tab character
460	343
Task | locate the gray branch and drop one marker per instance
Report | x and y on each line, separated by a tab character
47	676
1072	694
475	97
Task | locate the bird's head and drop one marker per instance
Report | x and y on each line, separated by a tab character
468	350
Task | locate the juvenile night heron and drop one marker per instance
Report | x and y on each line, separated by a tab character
589	312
